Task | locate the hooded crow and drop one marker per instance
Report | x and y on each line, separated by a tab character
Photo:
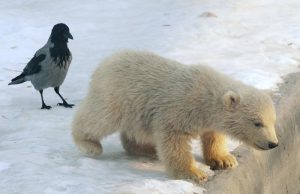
49	65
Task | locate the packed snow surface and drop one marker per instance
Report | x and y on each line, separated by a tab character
254	41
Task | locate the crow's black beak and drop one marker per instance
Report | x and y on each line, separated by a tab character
70	36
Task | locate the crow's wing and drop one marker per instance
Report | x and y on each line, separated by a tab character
33	66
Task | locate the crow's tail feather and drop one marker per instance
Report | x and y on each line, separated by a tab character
18	80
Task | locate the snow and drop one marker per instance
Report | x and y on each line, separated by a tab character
254	41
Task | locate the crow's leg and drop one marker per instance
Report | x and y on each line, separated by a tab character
64	104
44	106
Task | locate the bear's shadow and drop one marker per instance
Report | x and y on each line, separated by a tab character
125	156
140	163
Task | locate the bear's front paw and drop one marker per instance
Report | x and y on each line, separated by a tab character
195	175
222	162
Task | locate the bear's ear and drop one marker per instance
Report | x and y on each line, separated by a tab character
231	100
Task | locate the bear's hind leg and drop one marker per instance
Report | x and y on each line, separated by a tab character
215	151
88	130
136	149
88	146
174	150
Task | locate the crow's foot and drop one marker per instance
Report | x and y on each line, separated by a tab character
44	106
66	105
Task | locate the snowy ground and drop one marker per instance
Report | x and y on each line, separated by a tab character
255	41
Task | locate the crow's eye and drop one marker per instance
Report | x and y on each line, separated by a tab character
258	124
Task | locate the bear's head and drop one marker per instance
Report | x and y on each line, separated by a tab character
250	117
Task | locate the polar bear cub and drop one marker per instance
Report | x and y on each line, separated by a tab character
159	105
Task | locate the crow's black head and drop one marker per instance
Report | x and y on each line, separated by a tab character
60	33
59	37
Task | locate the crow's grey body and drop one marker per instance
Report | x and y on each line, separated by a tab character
49	65
50	74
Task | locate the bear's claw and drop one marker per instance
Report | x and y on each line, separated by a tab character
195	175
222	162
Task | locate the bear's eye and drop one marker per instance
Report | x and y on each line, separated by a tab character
258	124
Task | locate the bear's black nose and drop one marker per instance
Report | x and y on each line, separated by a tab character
272	145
